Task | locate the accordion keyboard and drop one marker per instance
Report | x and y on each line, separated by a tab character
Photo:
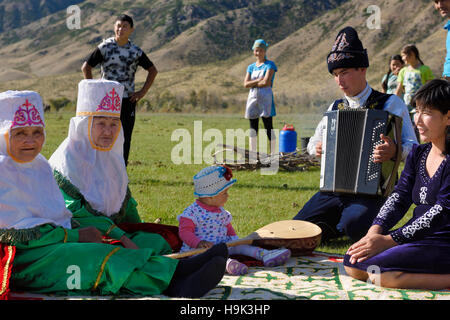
373	169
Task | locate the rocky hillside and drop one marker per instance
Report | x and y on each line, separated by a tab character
15	14
205	45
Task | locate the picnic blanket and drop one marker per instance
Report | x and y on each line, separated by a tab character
320	276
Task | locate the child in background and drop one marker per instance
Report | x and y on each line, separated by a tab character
205	222
389	82
412	76
260	102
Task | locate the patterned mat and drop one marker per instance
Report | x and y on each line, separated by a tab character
320	276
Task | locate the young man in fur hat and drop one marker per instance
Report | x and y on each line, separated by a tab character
119	59
339	214
443	7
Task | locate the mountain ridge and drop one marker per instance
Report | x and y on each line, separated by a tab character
210	48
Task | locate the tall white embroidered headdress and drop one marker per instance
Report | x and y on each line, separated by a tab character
29	195
99	173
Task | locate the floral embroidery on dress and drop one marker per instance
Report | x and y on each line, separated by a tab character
388	206
423	195
27	115
423	166
423	222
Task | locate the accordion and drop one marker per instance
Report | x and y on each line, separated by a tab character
348	142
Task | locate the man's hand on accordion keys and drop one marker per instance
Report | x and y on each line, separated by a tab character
384	151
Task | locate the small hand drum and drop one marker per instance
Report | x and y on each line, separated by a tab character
301	237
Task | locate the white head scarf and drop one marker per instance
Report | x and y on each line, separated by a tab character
98	173
29	195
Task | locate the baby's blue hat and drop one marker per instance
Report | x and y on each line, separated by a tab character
212	180
260	43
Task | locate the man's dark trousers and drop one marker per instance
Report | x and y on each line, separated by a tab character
127	117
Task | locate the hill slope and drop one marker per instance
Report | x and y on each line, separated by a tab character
206	44
15	14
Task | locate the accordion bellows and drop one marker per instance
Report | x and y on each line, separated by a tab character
349	140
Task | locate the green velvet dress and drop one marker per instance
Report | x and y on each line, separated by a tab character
49	259
86	216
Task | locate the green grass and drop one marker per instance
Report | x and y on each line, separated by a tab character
163	189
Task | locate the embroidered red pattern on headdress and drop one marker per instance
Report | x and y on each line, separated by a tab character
111	102
27	115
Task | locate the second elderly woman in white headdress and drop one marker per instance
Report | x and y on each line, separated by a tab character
91	172
38	240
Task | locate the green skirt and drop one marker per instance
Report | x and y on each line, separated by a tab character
50	265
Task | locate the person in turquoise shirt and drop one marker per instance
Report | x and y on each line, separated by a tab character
260	103
443	7
389	82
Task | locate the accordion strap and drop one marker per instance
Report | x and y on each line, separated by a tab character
376	101
395	131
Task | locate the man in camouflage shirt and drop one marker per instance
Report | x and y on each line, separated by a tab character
119	59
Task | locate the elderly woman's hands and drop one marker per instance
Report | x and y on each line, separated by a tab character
127	243
89	234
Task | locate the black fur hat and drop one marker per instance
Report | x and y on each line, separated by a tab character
347	51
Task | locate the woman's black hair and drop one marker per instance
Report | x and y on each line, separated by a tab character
435	94
385	82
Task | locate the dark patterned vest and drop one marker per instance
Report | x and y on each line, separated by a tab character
376	101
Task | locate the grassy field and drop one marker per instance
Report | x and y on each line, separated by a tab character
163	189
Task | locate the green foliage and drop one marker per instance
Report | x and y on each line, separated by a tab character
59	103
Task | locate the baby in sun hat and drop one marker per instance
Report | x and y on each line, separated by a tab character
205	222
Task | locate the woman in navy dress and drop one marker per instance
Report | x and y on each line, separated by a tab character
416	255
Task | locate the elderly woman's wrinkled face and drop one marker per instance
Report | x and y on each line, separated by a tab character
104	131
25	143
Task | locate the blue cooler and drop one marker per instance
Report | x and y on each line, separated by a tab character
288	139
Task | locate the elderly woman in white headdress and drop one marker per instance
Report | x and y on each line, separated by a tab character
37	228
90	170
